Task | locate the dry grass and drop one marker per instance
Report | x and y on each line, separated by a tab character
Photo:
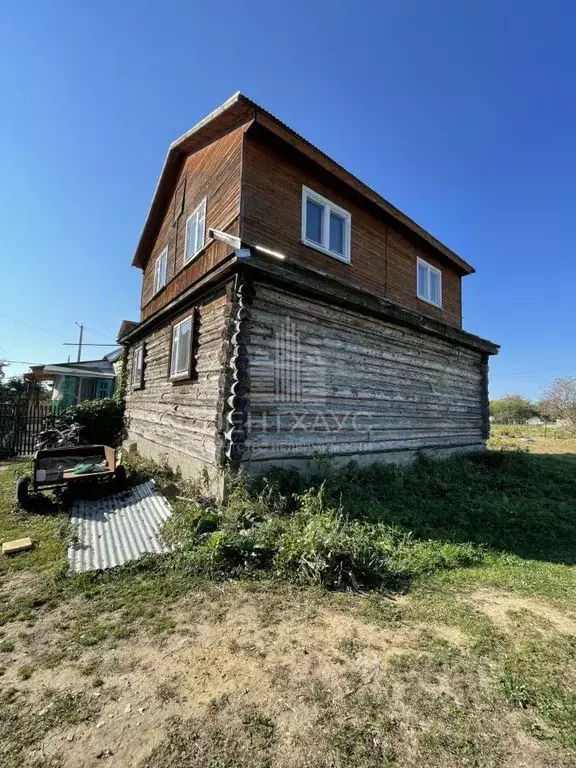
149	668
540	440
253	678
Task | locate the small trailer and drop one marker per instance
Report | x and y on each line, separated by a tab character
61	467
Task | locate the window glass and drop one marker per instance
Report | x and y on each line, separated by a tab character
336	243
429	283
434	287
192	227
195	232
325	226
422	280
181	348
137	364
314	221
160	271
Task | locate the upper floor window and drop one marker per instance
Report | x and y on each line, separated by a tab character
160	269
325	226
181	349
429	283
195	232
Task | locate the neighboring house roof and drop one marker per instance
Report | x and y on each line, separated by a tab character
126	327
237	110
87	369
114	356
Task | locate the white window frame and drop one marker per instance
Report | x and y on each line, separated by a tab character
309	194
199	211
137	378
429	268
157	285
175	375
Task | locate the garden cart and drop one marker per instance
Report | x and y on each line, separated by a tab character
70	466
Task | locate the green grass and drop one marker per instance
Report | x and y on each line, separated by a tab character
533	431
399	550
23	723
390	528
48	555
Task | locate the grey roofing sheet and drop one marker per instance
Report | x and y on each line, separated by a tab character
121	527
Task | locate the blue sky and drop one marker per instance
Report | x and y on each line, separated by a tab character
463	115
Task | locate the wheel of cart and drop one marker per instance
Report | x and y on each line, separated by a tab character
23	491
120	476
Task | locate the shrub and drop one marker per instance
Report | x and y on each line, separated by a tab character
102	421
319	546
7	450
378	526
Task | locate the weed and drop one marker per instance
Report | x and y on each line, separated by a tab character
25	673
166	692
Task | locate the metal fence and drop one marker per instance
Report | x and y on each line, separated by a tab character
20	425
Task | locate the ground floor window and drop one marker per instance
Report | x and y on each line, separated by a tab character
181	349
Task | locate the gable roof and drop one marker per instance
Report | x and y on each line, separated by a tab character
240	109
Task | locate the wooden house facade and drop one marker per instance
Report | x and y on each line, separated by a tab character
290	311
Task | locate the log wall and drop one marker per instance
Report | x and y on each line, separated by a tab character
181	419
328	380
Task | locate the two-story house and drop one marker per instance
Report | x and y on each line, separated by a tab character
288	311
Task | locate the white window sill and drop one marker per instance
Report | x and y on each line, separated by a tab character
325	251
428	301
198	253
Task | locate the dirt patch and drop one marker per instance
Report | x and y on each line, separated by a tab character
504	608
273	679
240	649
20	583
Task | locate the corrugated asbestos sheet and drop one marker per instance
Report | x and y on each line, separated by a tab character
122	527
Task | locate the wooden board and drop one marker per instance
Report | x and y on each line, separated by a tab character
17	545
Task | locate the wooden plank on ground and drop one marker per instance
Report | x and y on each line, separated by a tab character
17	545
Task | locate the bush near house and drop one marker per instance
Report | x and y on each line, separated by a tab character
102	421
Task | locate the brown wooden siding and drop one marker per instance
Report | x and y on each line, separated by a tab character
401	281
213	172
383	260
181	419
389	388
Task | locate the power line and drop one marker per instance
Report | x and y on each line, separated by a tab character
104	335
18	362
28	325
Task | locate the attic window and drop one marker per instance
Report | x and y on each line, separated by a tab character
195	232
429	283
160	269
325	226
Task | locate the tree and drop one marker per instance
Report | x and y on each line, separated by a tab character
559	401
17	389
512	409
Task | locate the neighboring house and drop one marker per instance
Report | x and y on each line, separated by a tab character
288	311
73	383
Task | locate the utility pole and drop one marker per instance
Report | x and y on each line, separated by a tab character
80	341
